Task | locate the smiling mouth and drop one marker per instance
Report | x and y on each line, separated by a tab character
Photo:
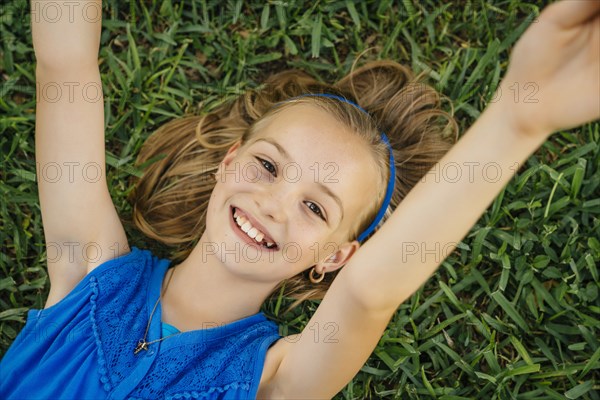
262	243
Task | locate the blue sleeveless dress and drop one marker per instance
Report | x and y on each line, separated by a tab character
82	347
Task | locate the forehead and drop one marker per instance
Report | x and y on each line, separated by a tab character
324	149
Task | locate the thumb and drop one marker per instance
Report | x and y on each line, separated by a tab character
570	13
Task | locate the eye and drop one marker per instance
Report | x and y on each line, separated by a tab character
318	210
266	166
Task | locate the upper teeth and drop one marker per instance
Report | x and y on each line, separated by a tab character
247	227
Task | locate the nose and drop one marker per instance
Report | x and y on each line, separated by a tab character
275	201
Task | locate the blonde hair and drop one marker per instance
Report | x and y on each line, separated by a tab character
170	200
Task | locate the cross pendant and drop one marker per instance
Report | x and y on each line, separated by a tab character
142	345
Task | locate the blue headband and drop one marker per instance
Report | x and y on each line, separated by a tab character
392	180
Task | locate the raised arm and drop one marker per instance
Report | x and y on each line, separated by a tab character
81	226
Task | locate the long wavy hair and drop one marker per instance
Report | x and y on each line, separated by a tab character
170	200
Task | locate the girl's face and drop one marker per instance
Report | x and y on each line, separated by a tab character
304	179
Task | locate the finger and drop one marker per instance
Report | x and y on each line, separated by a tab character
570	13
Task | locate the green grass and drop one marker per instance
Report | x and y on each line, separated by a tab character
512	313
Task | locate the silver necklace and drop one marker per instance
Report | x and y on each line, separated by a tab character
142	344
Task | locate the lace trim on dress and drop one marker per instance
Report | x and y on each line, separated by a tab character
101	360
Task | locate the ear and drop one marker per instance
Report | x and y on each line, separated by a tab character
231	153
338	259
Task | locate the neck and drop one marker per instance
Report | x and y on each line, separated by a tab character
203	293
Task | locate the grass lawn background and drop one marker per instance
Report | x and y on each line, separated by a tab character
512	313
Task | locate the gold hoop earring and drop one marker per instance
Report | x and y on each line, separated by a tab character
313	279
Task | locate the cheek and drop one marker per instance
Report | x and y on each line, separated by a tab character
313	248
213	205
251	173
246	173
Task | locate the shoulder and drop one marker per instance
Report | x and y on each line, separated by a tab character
129	261
124	273
273	359
111	255
131	272
114	267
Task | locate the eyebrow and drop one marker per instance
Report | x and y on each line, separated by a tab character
286	155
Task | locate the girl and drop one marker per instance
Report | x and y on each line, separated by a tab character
285	203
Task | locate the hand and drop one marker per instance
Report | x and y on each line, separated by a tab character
560	55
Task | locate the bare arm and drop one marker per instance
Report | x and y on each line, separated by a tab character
66	35
81	226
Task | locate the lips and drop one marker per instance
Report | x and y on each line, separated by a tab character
254	223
